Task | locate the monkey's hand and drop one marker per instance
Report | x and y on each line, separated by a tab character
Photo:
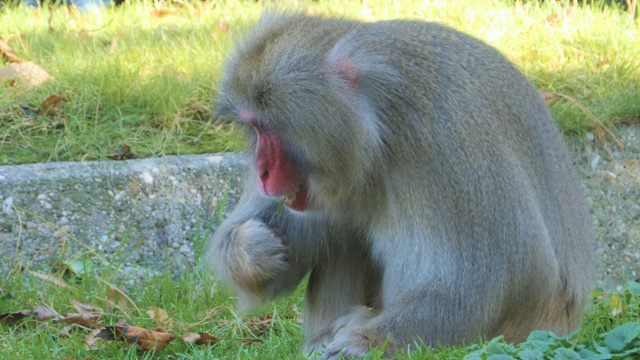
249	256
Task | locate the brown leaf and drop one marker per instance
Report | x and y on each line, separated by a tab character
7	53
549	97
123	154
13	317
51	279
160	317
251	341
259	326
207	339
146	339
201	338
48	107
85	307
299	318
117	298
91	341
162	12
25	75
223	25
43	313
88	320
190	337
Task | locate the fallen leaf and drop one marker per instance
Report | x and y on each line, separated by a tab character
299	318
88	320
259	326
91	341
48	107
549	97
123	154
160	317
146	339
201	338
7	53
162	12
223	25
13	317
251	341
25	75
42	313
52	279
118	299
85	307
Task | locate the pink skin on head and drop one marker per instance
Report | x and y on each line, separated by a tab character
277	176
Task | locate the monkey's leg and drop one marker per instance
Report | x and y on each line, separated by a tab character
348	279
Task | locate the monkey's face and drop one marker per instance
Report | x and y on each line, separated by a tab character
277	172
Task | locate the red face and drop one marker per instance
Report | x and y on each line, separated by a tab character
276	174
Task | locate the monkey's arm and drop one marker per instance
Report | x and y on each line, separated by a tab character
264	250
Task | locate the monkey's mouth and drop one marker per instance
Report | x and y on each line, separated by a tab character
298	199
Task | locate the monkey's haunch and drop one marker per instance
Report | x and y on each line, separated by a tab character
436	200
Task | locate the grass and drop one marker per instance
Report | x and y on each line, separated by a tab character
144	74
195	303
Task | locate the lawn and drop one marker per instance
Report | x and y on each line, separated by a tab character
143	77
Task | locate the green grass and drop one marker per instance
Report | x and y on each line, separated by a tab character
148	82
195	303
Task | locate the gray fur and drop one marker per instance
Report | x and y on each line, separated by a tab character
442	195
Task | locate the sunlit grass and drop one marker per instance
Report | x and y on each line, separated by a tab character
144	74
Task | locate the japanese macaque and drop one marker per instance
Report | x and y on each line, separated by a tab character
414	173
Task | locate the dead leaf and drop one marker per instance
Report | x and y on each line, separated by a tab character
48	107
118	299
83	306
549	97
42	313
260	326
13	317
162	12
7	53
146	339
251	341
91	341
207	339
123	154
299	318
223	25
86	319
52	279
160	317
25	75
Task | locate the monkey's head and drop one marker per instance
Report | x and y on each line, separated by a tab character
315	135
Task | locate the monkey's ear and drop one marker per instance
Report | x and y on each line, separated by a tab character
346	70
355	63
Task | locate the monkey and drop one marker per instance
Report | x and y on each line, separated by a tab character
413	173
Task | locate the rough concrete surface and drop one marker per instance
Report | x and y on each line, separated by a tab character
157	209
144	213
